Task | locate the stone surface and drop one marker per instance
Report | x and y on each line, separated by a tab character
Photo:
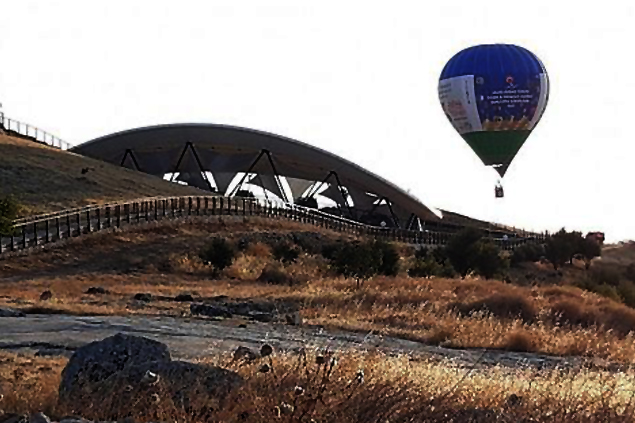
39	418
190	338
184	297
99	360
293	319
14	418
96	290
143	296
9	312
210	310
136	382
244	353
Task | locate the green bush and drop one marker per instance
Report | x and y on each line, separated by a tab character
487	261
219	254
9	210
600	288
424	268
362	260
527	253
626	291
462	248
468	251
285	252
629	272
605	275
388	258
563	246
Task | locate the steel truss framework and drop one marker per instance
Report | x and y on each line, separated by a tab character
189	152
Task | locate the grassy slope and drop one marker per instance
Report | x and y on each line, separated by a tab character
45	179
163	260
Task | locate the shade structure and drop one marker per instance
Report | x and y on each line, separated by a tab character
228	150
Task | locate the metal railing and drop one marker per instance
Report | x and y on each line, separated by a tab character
56	227
24	130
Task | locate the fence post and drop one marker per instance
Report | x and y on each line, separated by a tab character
59	229
47	238
24	236
35	233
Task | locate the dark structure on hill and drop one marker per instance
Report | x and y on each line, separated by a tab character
232	161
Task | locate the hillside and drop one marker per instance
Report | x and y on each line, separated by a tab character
45	179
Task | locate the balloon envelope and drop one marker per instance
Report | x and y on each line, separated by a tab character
494	95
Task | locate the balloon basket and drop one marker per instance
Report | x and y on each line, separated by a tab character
498	191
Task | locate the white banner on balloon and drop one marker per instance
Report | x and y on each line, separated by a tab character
459	103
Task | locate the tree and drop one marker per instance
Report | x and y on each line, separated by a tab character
461	250
559	248
219	254
589	249
9	210
487	261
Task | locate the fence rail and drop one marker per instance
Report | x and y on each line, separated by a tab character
55	227
17	128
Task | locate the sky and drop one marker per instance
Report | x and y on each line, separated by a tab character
357	78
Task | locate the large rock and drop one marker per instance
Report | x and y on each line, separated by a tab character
99	360
140	376
9	312
210	310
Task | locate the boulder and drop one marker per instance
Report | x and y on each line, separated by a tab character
39	418
99	360
210	310
143	296
133	373
184	297
9	312
46	295
96	290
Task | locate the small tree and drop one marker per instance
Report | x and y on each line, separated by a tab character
462	248
219	254
558	249
424	268
487	261
285	252
9	210
589	249
388	258
355	260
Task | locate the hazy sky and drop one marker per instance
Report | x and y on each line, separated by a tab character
358	78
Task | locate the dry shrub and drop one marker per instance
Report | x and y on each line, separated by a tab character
183	263
571	313
258	249
506	306
439	336
277	275
373	387
618	318
520	341
28	383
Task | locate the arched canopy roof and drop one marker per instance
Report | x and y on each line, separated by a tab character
223	149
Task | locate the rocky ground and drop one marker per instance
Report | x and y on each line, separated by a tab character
195	337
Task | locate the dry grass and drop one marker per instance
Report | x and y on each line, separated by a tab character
45	179
347	387
455	313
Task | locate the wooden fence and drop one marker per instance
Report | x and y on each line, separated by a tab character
46	229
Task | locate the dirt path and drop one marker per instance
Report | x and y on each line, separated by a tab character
191	338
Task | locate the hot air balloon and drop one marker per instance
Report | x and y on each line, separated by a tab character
494	95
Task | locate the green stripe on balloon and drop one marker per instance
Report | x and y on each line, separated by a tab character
496	148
